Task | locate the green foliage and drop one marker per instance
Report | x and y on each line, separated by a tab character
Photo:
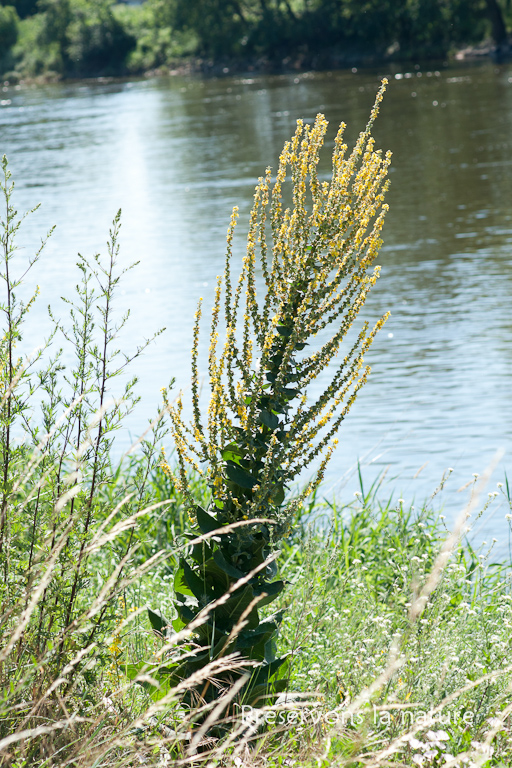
75	38
158	43
88	35
324	30
354	572
8	33
31	56
431	29
219	25
56	433
23	8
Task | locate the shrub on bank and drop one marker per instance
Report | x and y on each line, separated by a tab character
9	23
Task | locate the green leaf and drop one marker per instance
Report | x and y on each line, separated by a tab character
269	419
265	694
264	674
178	625
157	620
185	613
240	477
278	496
272	590
202	550
194	582
232	452
216	577
234	607
262	633
133	670
160	675
206	522
180	583
228	568
230	456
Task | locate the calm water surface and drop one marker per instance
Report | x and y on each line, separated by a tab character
176	154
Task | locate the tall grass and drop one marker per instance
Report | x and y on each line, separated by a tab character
368	677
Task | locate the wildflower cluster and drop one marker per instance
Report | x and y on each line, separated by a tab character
316	258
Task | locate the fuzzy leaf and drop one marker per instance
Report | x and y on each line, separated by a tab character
265	694
278	496
240	476
206	522
227	567
267	671
178	625
180	583
272	590
193	581
230	456
216	576
233	608
269	419
262	633
158	622
232	452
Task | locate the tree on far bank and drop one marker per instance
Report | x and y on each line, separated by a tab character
499	30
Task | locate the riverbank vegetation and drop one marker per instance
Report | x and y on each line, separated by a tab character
91	38
394	631
371	681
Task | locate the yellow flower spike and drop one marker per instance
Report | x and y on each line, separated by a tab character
316	261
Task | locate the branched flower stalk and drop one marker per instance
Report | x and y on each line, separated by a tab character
317	261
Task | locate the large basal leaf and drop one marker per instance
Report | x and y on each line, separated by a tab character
261	634
272	590
157	621
180	583
155	672
265	694
196	584
178	625
266	672
185	613
228	568
231	611
216	577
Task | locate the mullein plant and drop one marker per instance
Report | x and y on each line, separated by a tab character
317	262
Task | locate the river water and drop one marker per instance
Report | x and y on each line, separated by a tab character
177	153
